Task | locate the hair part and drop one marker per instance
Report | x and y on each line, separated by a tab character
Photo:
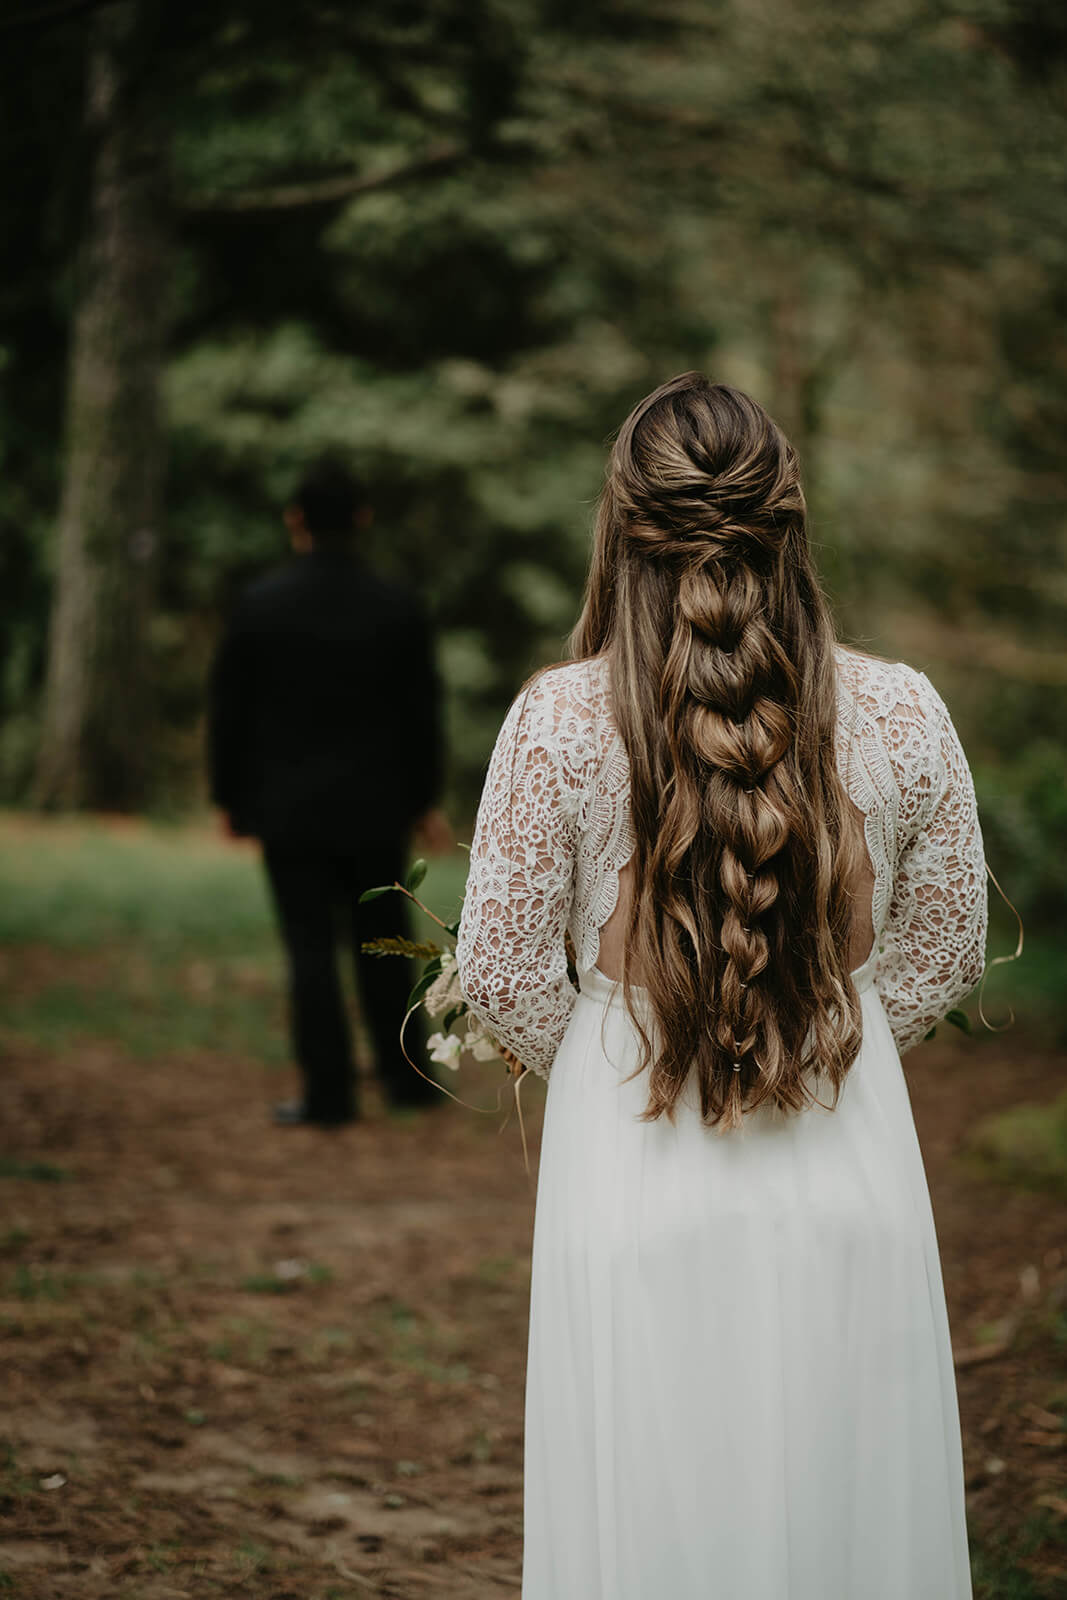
703	597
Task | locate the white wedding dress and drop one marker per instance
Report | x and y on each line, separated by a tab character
740	1382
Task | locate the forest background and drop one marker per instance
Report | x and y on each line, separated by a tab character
453	242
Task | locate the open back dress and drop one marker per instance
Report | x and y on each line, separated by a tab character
740	1381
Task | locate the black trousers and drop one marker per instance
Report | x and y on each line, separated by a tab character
316	894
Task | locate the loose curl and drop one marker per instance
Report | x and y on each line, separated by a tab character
703	597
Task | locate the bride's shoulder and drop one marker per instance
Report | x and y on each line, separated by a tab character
571	692
881	689
565	708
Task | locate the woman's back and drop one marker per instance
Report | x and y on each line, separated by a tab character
740	1378
740	1374
561	769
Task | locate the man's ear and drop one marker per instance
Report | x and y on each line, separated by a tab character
299	535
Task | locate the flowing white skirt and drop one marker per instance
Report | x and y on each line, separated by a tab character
740	1382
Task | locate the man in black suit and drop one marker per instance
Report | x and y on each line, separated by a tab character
325	744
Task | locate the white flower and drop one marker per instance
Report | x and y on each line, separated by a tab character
479	1041
444	992
445	1048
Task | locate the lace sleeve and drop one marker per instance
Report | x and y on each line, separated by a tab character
510	951
932	951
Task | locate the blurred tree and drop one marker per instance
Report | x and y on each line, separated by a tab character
457	240
96	734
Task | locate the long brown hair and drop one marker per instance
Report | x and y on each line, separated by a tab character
703	597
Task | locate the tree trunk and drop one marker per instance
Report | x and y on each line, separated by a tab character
97	714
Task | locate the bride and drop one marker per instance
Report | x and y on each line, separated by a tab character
766	851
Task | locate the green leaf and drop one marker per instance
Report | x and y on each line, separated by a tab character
416	875
374	894
931	1034
433	971
452	1017
959	1019
452	928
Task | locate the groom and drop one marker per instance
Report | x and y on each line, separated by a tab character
325	744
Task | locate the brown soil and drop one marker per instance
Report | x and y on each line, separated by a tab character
245	1361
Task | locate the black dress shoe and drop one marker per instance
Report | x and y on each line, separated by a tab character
295	1114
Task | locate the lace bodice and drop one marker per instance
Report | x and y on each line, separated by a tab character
554	832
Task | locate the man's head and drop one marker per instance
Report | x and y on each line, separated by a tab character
326	508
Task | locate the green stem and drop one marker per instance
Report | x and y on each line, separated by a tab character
423	908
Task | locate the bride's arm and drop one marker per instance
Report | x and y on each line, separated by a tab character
932	951
511	955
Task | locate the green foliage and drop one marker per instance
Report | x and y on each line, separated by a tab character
998	1579
35	1171
1010	1567
844	209
375	894
38	1283
1024	812
416	873
1025	1145
431	971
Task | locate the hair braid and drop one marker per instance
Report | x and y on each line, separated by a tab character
703	596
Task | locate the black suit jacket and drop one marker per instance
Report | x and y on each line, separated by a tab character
325	707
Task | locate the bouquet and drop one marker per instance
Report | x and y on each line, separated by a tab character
438	993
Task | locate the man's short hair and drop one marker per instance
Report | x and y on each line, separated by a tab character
329	496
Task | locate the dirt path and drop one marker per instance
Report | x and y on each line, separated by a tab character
241	1361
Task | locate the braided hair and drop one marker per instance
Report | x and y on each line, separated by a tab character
703	597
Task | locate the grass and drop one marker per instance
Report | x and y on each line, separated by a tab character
159	939
1027	1145
80	884
251	1558
150	1007
37	1283
243	1342
33	1171
1001	1569
177	890
419	1345
997	1580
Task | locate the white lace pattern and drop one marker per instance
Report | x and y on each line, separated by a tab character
554	832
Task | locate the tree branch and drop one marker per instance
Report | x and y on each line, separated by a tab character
323	191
